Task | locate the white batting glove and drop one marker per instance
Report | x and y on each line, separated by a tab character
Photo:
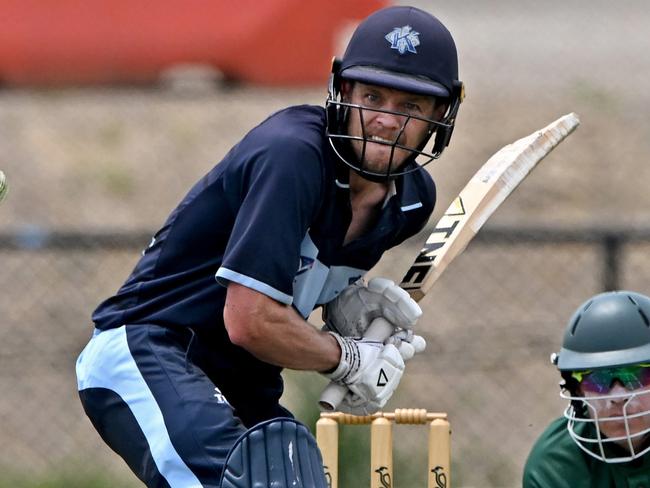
369	369
355	405
354	309
407	343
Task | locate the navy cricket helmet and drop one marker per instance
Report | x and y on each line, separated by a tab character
402	48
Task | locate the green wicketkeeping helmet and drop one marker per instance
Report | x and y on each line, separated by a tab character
609	329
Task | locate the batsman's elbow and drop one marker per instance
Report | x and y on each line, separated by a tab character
245	316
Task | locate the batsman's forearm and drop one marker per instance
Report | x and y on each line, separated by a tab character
275	333
304	348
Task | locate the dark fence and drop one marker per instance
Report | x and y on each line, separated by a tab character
610	241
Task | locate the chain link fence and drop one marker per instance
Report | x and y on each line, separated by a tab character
94	171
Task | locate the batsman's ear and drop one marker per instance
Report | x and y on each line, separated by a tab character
441	106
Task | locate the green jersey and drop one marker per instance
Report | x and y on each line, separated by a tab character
556	461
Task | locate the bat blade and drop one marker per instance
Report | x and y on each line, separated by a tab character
482	195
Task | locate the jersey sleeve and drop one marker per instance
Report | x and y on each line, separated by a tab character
278	193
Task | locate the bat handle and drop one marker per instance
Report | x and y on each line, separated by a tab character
332	396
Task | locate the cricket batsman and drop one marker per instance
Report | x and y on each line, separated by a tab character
182	375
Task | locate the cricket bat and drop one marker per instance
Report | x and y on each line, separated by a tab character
477	201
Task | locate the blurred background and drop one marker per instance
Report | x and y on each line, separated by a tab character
110	111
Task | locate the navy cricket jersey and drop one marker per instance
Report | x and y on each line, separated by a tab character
272	216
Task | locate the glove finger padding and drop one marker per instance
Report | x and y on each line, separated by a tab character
355	405
407	343
354	309
400	335
406	350
398	307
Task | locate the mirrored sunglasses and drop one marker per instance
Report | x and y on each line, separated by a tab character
602	380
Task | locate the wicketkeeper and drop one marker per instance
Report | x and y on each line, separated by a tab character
603	439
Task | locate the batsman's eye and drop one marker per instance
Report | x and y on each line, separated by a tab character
371	99
411	107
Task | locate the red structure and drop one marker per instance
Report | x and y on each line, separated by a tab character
272	42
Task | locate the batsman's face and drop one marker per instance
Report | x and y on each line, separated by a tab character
381	129
621	410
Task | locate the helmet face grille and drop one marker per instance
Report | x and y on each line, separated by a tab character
340	140
612	438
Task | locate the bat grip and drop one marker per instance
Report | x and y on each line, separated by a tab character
379	330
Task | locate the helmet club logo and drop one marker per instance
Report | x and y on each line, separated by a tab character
403	39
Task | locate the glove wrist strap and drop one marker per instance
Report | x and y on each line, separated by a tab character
349	362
